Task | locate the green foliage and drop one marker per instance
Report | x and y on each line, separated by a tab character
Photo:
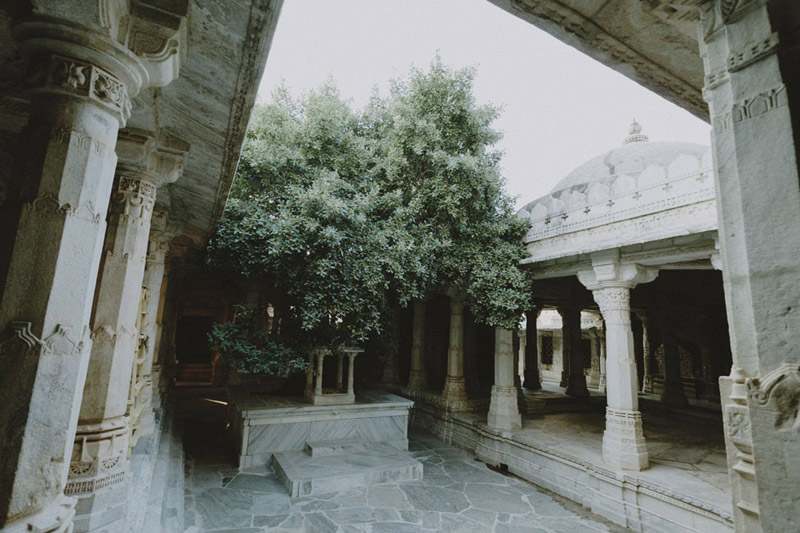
347	212
244	345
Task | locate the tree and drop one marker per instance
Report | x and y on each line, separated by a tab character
349	213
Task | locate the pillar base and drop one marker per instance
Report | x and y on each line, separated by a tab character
577	386
55	518
417	380
99	457
623	441
647	384
103	510
504	409
674	395
455	390
532	382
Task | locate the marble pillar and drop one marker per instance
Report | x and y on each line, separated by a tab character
504	407
417	378
673	394
455	389
750	54
573	353
623	440
100	453
610	282
647	355
154	281
390	366
601	341
532	380
80	96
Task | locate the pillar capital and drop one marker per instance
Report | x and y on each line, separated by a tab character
139	43
608	271
158	160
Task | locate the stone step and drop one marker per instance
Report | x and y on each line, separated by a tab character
321	448
303	474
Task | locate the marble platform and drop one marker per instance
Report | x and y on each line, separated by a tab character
265	424
685	489
333	468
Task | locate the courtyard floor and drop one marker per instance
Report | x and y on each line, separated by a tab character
457	492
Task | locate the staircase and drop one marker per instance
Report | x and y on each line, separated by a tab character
336	465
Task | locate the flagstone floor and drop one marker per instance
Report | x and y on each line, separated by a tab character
457	493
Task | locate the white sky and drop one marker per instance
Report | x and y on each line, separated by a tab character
560	108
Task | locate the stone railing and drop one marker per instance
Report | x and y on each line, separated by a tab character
625	199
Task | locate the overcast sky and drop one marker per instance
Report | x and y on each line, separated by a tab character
560	108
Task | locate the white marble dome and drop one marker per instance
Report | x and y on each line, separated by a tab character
637	165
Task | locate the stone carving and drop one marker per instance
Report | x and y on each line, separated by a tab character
737	420
623	441
548	248
155	160
262	17
20	340
84	79
749	108
648	73
99	457
780	390
612	299
752	53
726	8
60	342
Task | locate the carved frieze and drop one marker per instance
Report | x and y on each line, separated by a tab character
19	339
99	457
72	76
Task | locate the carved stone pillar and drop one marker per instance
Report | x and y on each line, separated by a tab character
647	356
455	389
573	353
417	378
155	282
504	407
77	105
610	282
601	341
623	440
100	454
533	380
673	393
750	52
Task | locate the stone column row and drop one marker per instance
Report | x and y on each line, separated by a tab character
100	454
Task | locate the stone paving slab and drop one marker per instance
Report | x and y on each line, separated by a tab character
457	493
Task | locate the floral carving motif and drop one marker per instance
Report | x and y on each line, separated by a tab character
78	77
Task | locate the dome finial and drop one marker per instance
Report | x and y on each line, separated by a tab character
635	134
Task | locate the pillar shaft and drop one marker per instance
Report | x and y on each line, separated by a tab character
673	393
647	356
66	172
750	53
504	412
155	282
623	441
533	380
417	379
571	328
455	390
